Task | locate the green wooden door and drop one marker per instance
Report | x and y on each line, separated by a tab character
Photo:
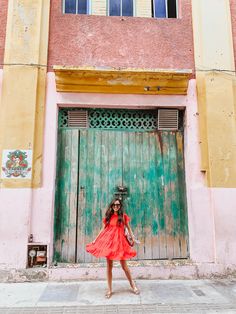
92	163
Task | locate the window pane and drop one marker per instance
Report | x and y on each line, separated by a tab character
127	7
114	7
70	6
172	10
82	7
160	8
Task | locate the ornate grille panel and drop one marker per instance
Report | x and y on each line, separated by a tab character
108	119
63	118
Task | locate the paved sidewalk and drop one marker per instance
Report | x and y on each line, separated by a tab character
157	296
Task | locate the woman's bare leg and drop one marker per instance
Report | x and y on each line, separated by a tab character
109	277
129	277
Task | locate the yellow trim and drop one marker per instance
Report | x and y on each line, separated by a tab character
201	94
122	81
24	86
221	130
213	47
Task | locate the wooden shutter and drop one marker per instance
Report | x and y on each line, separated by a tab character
144	8
99	7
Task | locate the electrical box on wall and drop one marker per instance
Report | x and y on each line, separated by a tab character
37	255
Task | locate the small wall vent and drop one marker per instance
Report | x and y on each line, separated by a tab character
168	119
78	118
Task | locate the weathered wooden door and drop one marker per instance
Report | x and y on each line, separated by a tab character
93	162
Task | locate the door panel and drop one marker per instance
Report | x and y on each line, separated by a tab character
66	196
100	171
150	164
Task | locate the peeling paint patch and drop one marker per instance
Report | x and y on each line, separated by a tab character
120	81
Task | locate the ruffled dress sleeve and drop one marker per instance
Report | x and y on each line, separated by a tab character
126	219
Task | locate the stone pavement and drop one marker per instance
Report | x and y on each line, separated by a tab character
157	296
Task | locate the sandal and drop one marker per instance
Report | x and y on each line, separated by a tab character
108	294
135	290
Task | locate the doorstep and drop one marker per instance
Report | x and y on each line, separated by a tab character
151	269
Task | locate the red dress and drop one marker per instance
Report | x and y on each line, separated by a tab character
111	243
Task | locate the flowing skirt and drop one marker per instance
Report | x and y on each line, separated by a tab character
112	244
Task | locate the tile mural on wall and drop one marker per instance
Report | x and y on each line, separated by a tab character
16	164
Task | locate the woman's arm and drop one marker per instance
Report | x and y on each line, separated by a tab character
131	233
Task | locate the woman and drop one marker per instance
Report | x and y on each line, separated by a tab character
112	244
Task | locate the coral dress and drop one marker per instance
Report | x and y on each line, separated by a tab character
111	243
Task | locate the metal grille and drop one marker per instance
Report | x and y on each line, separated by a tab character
63	118
168	119
122	119
108	119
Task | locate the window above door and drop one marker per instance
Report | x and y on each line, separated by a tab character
164	8
76	6
138	8
121	7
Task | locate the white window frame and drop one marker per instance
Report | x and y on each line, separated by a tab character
108	8
76	7
166	2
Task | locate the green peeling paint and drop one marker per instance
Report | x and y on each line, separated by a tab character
150	164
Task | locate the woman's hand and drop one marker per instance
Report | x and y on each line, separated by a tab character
132	235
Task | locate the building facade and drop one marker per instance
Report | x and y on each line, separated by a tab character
127	98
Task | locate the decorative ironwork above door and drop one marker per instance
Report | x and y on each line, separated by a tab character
121	119
108	119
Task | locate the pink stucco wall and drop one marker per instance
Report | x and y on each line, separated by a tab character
25	211
211	212
3	21
14	227
43	198
86	40
205	206
233	17
200	215
15	208
223	203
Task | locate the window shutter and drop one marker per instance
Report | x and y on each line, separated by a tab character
144	8
99	7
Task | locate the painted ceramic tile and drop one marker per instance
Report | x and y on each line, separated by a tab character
16	164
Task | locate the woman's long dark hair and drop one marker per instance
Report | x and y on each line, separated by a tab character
110	211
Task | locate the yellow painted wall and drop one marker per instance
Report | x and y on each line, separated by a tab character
24	84
213	47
